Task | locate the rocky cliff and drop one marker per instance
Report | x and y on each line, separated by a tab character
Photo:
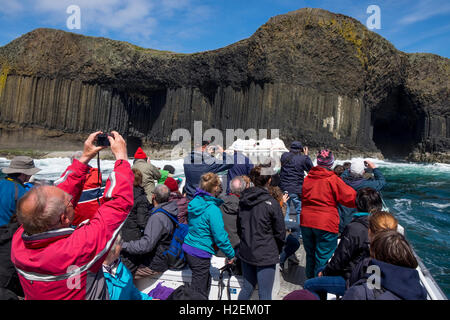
319	77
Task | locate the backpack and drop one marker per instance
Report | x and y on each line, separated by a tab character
175	253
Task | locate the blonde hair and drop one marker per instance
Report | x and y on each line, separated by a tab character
382	220
209	181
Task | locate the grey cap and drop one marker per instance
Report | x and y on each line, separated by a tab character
21	164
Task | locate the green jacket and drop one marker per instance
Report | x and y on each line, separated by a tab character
164	175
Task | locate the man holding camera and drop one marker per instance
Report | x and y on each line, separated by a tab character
56	261
355	178
201	161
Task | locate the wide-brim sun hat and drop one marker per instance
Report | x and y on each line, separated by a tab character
21	164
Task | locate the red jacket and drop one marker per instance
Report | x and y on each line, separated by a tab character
322	191
88	204
66	263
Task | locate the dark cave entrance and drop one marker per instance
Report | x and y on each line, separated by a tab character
132	144
398	125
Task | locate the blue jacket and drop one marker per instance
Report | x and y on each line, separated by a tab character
345	213
206	226
358	183
198	163
242	166
293	167
121	287
8	198
397	283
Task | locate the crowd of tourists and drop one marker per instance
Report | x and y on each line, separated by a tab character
81	239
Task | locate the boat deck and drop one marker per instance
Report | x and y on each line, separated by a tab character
293	276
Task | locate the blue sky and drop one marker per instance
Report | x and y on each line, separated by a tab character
197	25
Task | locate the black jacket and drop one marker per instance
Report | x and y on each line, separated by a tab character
352	249
230	210
138	217
261	228
9	280
396	283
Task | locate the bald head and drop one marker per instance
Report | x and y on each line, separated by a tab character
237	185
43	208
161	194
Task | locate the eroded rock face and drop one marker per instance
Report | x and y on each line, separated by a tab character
319	77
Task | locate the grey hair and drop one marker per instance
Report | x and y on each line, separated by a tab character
162	193
45	214
242	184
76	155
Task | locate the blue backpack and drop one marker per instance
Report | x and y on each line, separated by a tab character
175	253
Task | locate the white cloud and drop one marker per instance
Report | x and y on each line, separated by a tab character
425	10
11	6
135	19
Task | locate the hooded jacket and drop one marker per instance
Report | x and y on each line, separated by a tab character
293	167
138	217
206	227
198	163
322	191
120	284
66	264
157	236
352	249
397	283
261	228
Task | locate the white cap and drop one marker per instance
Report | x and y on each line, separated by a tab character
357	167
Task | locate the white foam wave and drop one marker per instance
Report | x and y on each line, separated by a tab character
436	205
52	168
403	204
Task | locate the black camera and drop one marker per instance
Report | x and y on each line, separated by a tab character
102	139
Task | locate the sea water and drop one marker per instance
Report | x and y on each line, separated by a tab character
417	194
